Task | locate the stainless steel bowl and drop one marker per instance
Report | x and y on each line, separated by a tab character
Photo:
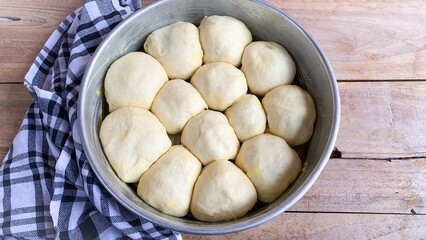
266	22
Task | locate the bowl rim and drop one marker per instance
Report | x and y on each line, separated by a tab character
224	227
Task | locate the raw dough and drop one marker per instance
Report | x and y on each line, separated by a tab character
133	81
220	84
132	139
270	164
176	103
223	39
177	47
222	192
247	117
168	184
267	65
209	136
291	114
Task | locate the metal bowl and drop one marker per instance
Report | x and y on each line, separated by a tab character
266	22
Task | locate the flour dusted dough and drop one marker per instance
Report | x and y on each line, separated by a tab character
133	81
270	164
132	139
168	184
247	117
223	39
209	136
222	192
176	103
220	84
267	65
177	47
291	114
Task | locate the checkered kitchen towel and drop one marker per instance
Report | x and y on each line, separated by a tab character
47	189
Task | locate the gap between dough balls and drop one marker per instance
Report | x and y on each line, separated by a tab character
218	112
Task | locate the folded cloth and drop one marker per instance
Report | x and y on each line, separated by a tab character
47	188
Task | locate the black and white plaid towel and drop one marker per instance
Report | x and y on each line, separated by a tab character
47	189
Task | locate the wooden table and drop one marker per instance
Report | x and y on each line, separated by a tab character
375	187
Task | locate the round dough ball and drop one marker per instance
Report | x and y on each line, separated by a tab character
220	84
176	103
270	164
132	139
266	66
177	47
209	136
168	184
222	192
223	39
291	114
247	117
133	81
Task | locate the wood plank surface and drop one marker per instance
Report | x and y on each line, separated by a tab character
331	226
14	102
364	40
401	187
392	126
382	119
367	40
375	188
22	39
368	186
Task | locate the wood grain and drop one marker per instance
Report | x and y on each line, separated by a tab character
357	196
146	2
20	41
330	226
368	186
364	40
14	102
367	40
392	126
382	119
400	188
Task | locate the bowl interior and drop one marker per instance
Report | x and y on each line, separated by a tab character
266	23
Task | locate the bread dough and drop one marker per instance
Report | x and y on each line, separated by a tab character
270	164
291	114
133	81
177	47
247	117
209	136
220	84
222	192
168	184
132	139
267	65
223	39
176	103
